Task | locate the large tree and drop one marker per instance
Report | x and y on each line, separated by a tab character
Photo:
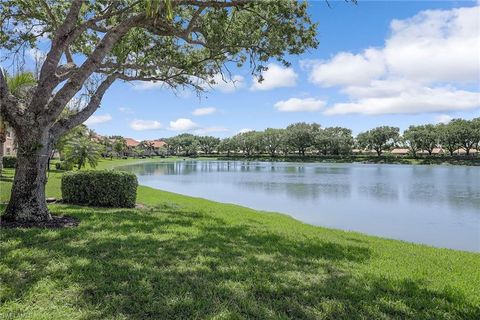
19	86
208	144
465	133
379	138
182	43
272	139
300	135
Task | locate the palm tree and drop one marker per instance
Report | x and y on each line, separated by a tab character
81	150
17	86
119	146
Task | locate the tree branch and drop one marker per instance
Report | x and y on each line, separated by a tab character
64	125
8	103
46	81
90	65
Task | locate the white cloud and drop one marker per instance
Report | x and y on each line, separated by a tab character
298	105
142	125
443	118
275	77
436	45
428	64
208	130
182	124
413	100
203	111
244	130
348	69
93	120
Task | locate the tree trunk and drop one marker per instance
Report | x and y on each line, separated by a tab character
1	154
27	200
3	136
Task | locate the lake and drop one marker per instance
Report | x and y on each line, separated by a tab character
434	205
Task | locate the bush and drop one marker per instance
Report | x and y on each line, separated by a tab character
64	165
9	161
104	188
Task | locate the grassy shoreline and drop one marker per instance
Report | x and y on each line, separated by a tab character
182	257
425	160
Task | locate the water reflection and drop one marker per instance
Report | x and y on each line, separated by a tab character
438	205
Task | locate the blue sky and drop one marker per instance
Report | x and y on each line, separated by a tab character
378	63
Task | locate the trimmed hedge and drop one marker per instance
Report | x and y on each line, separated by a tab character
101	188
64	165
9	161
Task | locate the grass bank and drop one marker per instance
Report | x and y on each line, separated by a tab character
182	257
420	160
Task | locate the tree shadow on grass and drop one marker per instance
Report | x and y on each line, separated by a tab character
180	264
6	178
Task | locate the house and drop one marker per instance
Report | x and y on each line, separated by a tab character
363	151
158	144
462	152
438	151
131	143
400	151
9	148
435	152
154	147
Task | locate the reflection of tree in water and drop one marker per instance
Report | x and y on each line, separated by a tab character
299	190
332	170
380	191
457	187
455	195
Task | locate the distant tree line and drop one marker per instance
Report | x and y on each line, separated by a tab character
310	138
81	145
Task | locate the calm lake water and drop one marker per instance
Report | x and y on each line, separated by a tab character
435	205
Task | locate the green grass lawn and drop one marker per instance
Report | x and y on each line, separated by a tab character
182	258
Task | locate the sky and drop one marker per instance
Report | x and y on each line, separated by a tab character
378	63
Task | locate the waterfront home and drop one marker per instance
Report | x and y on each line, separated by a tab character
8	145
400	151
462	152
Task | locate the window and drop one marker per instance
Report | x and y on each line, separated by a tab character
8	151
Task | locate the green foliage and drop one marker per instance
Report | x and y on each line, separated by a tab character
78	132
20	82
235	262
273	140
227	146
333	140
119	146
100	188
301	135
9	161
184	144
258	31
247	142
64	166
465	133
80	151
459	133
379	139
421	138
208	144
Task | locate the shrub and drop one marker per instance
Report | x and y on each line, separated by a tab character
9	161
103	188
64	165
